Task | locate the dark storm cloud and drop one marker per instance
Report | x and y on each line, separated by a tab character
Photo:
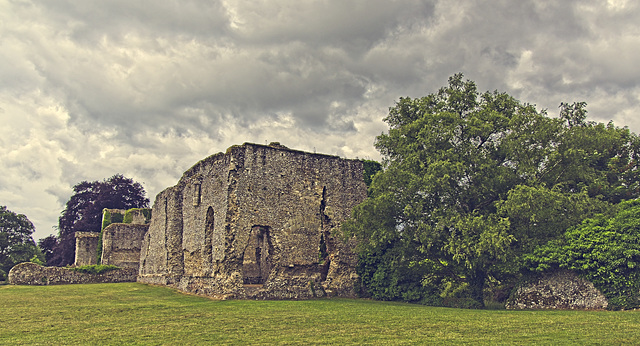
145	62
90	21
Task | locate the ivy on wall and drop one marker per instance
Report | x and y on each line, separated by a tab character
108	218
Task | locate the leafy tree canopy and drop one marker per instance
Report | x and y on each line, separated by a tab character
472	181
47	245
83	211
370	168
16	243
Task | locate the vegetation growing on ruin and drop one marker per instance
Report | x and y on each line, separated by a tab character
109	218
128	214
131	313
94	268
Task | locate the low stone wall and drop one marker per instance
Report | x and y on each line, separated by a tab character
28	273
558	290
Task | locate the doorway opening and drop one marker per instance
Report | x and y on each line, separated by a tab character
256	263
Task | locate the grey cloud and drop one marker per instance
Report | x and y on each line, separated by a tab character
348	24
90	21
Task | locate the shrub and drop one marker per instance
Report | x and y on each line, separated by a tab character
387	275
605	251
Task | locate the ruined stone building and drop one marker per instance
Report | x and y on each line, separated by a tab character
256	222
122	234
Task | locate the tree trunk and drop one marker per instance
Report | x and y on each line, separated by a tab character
476	285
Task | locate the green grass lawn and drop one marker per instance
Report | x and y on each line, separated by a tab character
131	313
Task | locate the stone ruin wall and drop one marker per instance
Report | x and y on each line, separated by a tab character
86	247
163	250
249	223
296	200
122	240
28	273
562	289
121	244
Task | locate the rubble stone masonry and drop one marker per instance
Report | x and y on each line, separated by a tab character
256	222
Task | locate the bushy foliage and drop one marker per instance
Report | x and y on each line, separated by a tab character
370	168
47	245
605	251
386	275
36	260
16	242
472	181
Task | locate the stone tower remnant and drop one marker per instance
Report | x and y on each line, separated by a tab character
256	222
86	247
122	236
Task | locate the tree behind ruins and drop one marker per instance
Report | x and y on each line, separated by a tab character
16	243
83	211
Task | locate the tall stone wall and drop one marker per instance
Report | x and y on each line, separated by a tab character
161	257
121	244
251	223
86	247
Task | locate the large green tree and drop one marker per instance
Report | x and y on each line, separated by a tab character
459	200
16	242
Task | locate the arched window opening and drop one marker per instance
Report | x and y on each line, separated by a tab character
196	194
208	235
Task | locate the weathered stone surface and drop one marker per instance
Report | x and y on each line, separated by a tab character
121	244
86	246
249	223
558	290
28	273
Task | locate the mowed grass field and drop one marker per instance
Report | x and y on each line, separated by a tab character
131	313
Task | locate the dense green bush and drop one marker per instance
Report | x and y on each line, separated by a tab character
370	169
387	273
603	250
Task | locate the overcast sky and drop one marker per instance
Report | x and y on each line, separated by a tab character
93	88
